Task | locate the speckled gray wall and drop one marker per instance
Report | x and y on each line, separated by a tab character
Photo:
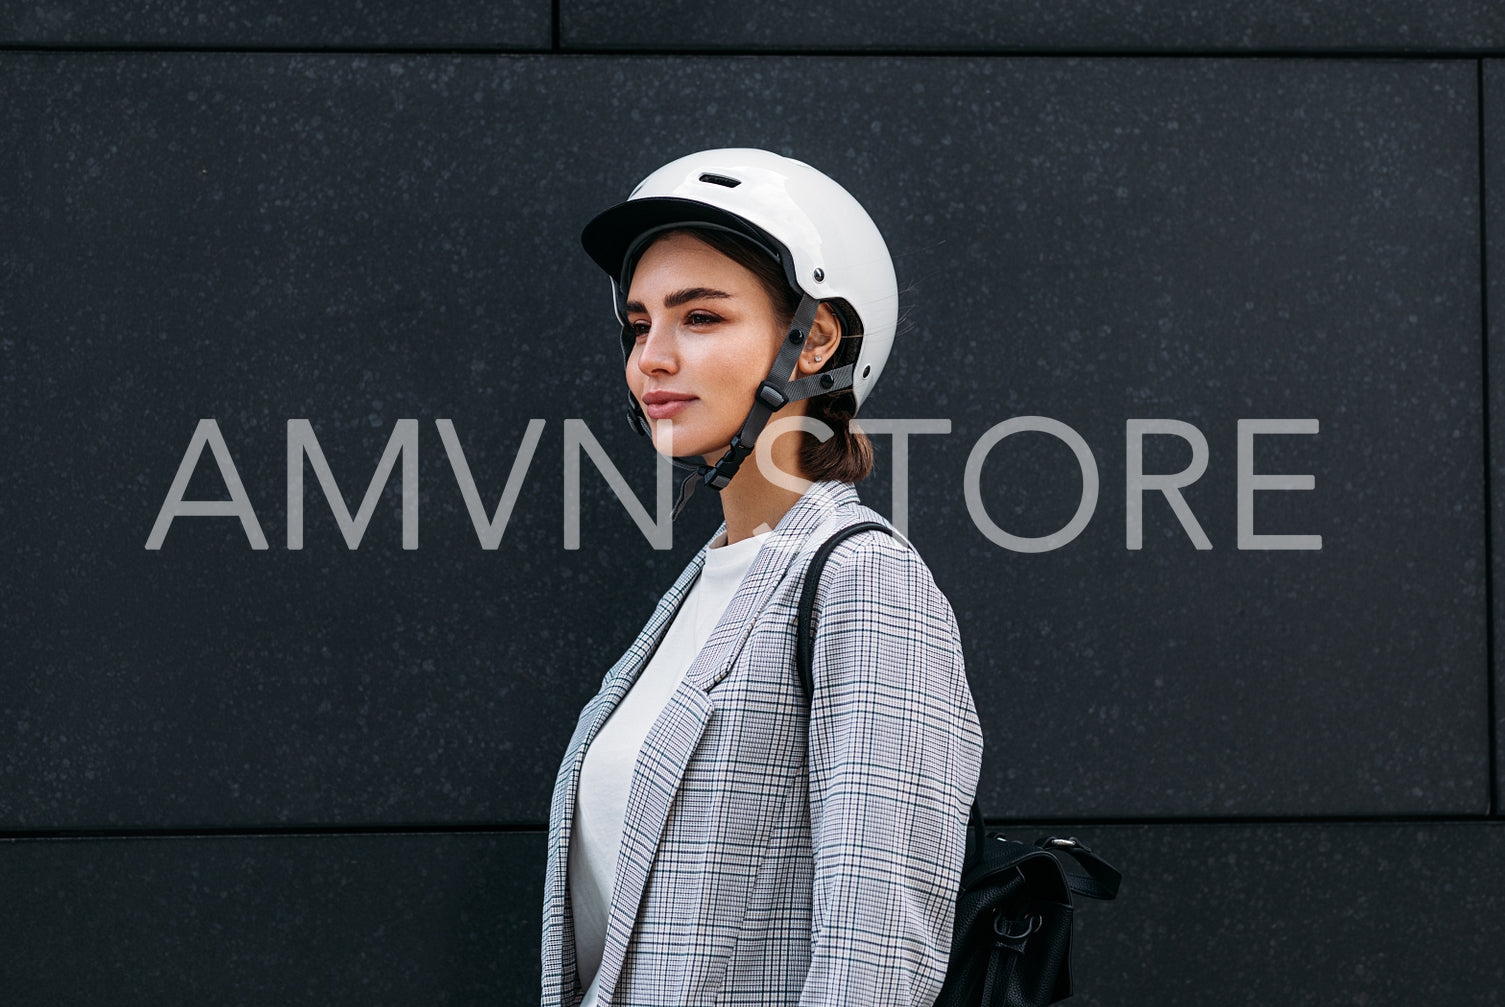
342	919
434	24
1390	26
323	769
362	240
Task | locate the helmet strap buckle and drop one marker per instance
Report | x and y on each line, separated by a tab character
719	475
772	396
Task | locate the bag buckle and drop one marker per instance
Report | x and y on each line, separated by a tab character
1003	927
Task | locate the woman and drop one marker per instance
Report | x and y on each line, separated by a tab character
715	836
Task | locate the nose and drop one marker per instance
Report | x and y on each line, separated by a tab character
655	352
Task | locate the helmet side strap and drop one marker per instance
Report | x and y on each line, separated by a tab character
776	391
772	395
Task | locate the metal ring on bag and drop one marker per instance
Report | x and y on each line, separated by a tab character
1001	924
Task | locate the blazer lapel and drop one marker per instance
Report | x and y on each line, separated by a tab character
656	778
559	926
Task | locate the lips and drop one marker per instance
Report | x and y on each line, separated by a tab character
662	405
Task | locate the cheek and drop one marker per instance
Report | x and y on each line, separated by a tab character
633	375
751	364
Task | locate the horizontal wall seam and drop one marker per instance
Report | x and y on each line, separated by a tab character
1430	55
542	828
268	832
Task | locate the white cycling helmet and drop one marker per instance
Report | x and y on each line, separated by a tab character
829	247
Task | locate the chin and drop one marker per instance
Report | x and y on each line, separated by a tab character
709	457
677	442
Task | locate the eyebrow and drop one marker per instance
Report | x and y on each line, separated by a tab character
685	296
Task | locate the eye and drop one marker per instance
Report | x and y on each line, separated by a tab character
701	318
639	329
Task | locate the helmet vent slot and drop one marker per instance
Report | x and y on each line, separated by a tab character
730	183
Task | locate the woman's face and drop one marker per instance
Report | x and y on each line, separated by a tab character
707	333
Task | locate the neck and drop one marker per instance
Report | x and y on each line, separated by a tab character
752	503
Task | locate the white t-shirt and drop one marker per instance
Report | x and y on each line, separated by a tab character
601	803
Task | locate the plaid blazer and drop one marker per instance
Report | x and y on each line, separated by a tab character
774	852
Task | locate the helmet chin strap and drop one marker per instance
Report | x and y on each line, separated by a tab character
776	391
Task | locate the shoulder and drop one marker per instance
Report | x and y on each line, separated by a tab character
832	510
876	569
881	625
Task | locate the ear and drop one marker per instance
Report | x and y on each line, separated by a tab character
824	338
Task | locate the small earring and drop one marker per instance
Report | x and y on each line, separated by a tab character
817	358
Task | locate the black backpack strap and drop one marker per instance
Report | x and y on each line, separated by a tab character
804	629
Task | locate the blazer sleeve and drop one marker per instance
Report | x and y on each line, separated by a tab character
895	749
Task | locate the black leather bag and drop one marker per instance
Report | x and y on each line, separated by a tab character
1011	943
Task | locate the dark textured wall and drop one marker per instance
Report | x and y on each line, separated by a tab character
240	774
1253	26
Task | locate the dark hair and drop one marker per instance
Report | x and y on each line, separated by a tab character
847	455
